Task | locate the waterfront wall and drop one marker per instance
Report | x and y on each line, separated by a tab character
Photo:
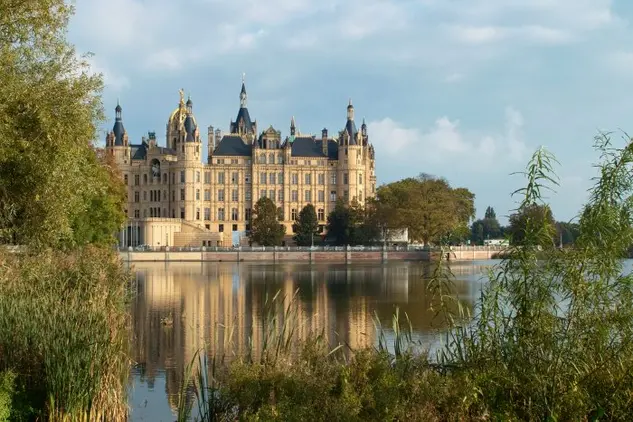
473	253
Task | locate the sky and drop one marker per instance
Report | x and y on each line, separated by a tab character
462	89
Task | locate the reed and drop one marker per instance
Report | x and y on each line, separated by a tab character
64	331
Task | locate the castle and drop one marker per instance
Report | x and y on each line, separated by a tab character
174	199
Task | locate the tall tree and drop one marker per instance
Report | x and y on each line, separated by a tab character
266	229
532	218
490	213
486	228
338	224
307	226
427	206
50	109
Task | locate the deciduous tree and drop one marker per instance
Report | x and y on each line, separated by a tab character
307	226
527	219
266	229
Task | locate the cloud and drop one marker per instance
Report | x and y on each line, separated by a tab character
445	142
111	79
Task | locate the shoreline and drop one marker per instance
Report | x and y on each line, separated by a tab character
281	255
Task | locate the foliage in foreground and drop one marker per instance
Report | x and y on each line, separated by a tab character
266	229
54	192
552	336
64	334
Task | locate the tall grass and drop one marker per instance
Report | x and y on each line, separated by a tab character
551	337
64	332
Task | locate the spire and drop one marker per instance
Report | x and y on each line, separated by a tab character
292	126
363	128
243	92
350	110
118	129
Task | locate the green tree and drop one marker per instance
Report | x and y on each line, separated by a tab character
490	214
50	108
566	233
338	224
307	226
427	206
529	216
266	229
486	228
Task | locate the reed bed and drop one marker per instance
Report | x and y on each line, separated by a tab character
64	333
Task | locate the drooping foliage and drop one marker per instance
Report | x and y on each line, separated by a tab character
306	227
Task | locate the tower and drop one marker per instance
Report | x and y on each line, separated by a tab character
292	126
117	142
243	125
350	161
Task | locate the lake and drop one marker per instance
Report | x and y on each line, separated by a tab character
181	307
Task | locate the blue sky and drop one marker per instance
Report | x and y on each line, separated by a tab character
464	89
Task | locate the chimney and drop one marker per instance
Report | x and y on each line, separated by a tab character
324	141
211	139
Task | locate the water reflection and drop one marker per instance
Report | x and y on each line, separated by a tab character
180	307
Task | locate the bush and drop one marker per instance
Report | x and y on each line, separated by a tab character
64	332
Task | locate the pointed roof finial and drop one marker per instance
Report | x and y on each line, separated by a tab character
363	120
118	108
292	121
350	102
182	96
243	77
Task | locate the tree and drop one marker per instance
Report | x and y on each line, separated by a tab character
338	224
427	206
566	233
49	114
486	228
306	227
266	229
528	219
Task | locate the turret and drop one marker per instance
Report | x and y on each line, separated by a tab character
324	141
117	140
211	139
292	126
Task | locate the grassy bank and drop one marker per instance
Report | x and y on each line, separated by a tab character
63	336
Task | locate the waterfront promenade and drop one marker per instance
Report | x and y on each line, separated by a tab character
309	254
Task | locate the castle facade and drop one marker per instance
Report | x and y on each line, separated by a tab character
175	199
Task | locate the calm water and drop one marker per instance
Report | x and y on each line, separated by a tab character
222	305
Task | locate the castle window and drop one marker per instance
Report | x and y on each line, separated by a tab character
293	214
321	196
182	176
164	178
262	193
247	195
345	178
221	177
136	179
308	196
280	214
220	194
247	178
182	213
321	214
280	178
280	195
197	177
151	196
234	214
183	148
207	214
125	179
271	194
308	178
234	195
360	196
294	196
207	195
173	213
333	179
173	176
321	179
182	194
144	179
151	212
271	159
360	178
221	228
208	227
197	213
262	178
280	159
234	161
346	195
272	178
221	214
235	177
333	196
144	195
197	194
247	214
173	196
137	213
158	192
295	179
262	159
207	177
234	227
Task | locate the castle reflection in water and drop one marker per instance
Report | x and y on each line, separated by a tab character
180	307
